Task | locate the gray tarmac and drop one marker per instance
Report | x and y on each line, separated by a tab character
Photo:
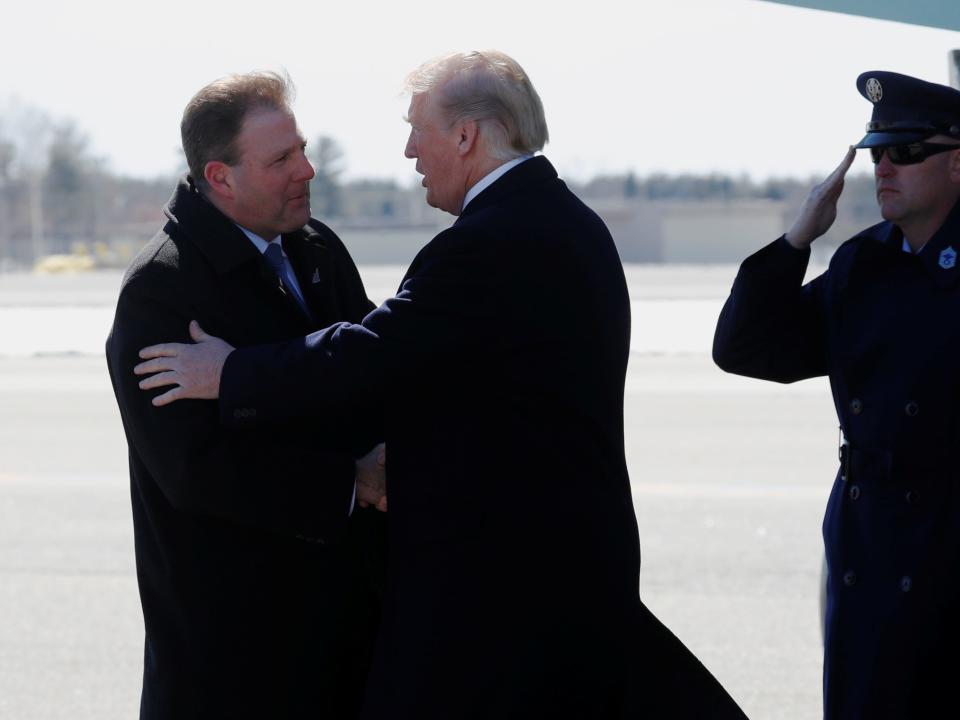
730	478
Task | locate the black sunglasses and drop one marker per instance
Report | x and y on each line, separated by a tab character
910	154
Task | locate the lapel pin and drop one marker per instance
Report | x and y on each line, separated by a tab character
316	275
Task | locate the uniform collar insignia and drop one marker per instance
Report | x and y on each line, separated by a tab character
948	258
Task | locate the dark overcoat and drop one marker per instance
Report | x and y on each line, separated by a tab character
260	599
514	556
882	324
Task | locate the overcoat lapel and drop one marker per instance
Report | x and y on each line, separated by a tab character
939	258
941	255
224	244
533	171
314	270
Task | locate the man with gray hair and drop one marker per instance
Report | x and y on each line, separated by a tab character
498	369
259	585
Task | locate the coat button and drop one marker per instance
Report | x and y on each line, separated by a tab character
856	407
911	409
315	540
911	497
849	578
906	583
854	492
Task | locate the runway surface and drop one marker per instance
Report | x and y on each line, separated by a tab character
730	477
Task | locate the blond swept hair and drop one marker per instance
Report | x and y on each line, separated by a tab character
490	88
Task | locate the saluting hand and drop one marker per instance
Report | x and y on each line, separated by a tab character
193	369
819	210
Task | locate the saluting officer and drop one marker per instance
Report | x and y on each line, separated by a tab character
884	323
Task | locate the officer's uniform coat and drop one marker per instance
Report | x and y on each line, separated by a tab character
884	324
259	592
514	554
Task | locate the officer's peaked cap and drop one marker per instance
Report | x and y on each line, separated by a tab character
907	110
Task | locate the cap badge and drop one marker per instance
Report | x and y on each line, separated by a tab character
948	258
874	90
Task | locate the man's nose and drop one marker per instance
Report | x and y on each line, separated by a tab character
305	171
884	168
410	150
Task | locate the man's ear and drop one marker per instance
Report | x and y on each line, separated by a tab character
955	166
468	136
219	177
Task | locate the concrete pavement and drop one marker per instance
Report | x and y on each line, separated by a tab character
730	477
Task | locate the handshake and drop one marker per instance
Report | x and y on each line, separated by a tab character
371	478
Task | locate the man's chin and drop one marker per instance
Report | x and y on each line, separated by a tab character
889	212
447	207
298	219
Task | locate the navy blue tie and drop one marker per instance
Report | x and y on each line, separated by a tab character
274	256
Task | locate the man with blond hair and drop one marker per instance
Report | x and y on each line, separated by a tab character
260	598
499	370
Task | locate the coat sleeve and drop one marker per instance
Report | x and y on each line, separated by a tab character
772	326
443	310
281	480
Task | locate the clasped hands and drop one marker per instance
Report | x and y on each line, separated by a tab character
372	479
194	371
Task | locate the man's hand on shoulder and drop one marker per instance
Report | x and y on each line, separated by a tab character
194	370
820	208
371	478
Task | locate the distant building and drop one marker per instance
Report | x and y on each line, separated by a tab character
712	231
684	231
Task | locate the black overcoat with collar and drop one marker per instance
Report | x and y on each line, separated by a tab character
260	593
882	324
499	367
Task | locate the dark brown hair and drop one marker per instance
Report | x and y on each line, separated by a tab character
214	116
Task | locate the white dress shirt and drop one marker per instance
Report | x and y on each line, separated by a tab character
908	249
491	177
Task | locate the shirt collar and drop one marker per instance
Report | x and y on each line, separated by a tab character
909	250
490	178
259	242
